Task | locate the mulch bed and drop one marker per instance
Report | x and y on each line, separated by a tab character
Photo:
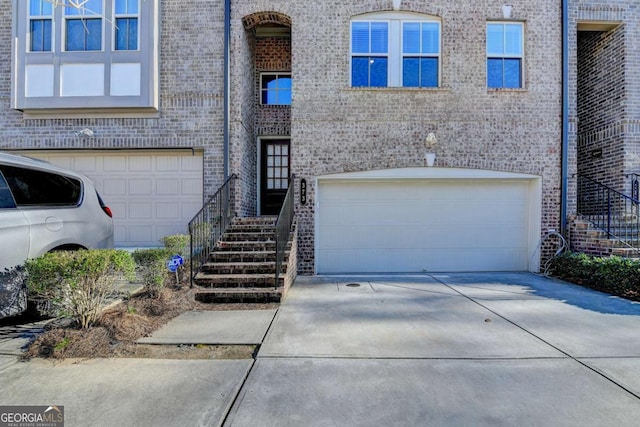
139	316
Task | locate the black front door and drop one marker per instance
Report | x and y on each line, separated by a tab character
275	175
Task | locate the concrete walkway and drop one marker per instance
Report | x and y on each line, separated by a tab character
448	349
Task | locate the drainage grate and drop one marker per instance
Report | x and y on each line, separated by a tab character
353	285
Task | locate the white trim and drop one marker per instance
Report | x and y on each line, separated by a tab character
426	173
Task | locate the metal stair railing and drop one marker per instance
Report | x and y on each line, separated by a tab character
283	227
609	210
210	223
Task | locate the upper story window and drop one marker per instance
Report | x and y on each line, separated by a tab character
505	53
275	88
126	23
395	50
40	18
81	57
83	26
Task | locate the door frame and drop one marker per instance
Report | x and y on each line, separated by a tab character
259	171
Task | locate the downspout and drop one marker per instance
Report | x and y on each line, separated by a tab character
226	101
565	117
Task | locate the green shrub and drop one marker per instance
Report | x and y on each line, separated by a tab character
614	275
78	284
151	264
177	244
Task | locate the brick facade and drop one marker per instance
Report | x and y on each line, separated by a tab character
336	128
604	97
191	95
333	127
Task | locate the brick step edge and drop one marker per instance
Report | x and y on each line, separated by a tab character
239	296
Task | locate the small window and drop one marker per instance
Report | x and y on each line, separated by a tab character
126	31
38	188
83	26
505	51
40	17
6	199
276	88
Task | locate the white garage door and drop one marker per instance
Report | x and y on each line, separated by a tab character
151	193
433	225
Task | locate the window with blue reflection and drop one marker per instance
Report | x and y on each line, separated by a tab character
84	34
369	47
40	17
87	8
40	35
83	26
504	55
369	71
126	28
276	89
420	49
126	7
40	8
126	34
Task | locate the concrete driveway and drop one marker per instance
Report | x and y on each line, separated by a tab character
426	350
445	349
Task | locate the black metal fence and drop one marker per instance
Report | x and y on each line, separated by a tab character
283	227
609	210
208	225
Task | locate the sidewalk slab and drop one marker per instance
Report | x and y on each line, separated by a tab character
214	327
392	317
347	392
15	338
579	321
128	392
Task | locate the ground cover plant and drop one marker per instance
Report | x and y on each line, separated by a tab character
614	275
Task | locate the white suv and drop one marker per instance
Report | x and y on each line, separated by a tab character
45	208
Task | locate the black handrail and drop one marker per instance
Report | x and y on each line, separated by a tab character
283	227
610	210
210	223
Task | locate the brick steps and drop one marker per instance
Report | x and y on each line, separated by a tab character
598	242
241	268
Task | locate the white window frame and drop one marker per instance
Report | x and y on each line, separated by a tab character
503	55
395	54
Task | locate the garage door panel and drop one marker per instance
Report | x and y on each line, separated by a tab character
151	194
191	186
416	225
167	187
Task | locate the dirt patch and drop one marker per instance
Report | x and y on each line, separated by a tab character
138	316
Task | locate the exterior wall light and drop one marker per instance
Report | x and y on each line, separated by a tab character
429	143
